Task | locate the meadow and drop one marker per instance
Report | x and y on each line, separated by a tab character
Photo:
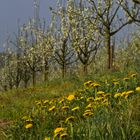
107	108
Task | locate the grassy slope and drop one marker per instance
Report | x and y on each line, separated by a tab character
15	103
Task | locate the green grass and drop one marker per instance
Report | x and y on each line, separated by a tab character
110	119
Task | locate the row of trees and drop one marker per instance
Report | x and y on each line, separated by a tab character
77	30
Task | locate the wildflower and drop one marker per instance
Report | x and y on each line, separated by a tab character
89	106
123	93
96	85
61	101
25	117
129	92
38	103
47	138
71	118
52	108
126	79
137	88
63	135
46	101
117	95
75	108
90	99
98	99
70	97
133	75
59	130
88	114
30	125
65	107
100	92
87	84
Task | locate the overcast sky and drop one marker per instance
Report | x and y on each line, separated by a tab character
12	10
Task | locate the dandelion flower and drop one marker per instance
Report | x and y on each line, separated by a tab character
61	101
126	79
65	107
75	108
70	97
88	83
47	138
58	130
100	92
117	95
89	106
52	108
129	92
69	119
63	135
137	88
46	101
88	114
30	125
133	75
90	99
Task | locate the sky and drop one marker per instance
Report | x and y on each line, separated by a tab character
12	11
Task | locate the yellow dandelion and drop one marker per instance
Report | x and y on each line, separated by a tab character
126	79
30	125
123	93
58	130
90	99
46	101
100	93
47	138
38	103
117	95
70	97
29	120
133	75
88	114
65	107
25	117
63	135
75	108
137	88
89	106
52	108
98	99
69	119
87	84
129	92
61	101
96	85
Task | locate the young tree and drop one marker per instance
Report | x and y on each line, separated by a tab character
84	36
64	54
111	19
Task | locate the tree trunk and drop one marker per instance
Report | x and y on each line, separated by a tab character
85	71
109	51
34	78
63	71
46	71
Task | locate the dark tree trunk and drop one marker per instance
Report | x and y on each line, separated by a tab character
85	69
64	70
109	51
46	71
34	78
